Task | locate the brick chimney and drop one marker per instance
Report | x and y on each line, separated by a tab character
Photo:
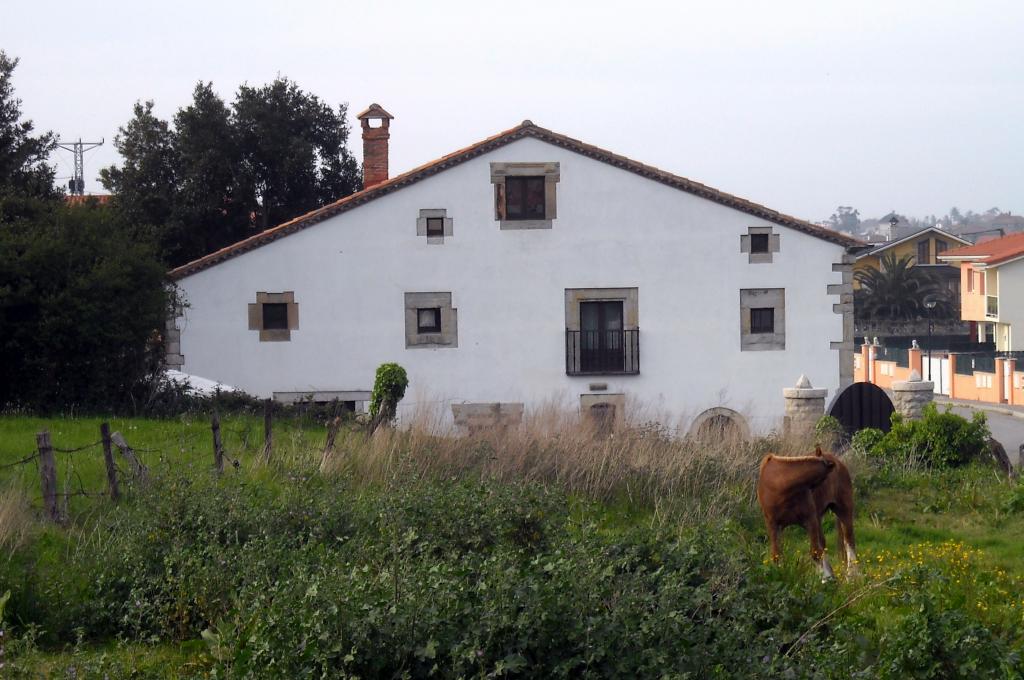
375	144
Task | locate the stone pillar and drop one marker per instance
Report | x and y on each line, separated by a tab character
804	406
865	355
910	396
915	360
952	375
1011	397
1000	382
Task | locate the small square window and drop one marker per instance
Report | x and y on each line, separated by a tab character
524	198
428	320
435	226
275	316
759	243
762	320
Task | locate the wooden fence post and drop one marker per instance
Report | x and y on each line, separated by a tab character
332	433
268	429
218	449
108	459
137	467
48	475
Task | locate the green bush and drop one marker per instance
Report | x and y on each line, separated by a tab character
308	577
864	441
388	389
828	431
937	440
82	302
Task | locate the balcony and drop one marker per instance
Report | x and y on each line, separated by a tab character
602	352
992	307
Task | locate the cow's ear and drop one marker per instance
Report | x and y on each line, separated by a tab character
817	451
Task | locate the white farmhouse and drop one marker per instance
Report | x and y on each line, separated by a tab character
527	269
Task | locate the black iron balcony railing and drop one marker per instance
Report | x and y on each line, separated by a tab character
602	352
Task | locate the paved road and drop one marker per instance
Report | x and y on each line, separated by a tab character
1007	430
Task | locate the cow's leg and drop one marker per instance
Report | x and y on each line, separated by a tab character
844	522
773	538
818	553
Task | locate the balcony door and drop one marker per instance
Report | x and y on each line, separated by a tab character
602	343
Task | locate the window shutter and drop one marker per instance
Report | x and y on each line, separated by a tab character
499	201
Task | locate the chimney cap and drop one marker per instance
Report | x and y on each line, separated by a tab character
374	111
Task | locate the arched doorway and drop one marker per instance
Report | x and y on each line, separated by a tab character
861	405
720	424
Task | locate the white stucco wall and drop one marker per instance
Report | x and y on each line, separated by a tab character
1011	301
614	229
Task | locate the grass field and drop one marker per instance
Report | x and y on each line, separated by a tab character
462	557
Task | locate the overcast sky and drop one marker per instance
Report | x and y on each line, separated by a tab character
912	105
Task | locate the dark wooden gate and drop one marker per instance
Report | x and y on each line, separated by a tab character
863	405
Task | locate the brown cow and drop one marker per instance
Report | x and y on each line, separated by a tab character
799	491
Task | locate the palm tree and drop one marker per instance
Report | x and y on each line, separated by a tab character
898	291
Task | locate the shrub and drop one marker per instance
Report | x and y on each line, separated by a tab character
828	431
388	389
864	441
82	301
937	440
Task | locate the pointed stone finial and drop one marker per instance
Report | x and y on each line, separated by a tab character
803	383
914	345
914	376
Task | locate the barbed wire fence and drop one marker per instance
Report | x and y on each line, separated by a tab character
55	504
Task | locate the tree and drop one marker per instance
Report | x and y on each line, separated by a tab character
81	298
220	173
145	186
294	151
209	211
898	291
845	218
25	177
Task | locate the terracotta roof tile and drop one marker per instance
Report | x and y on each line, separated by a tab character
525	129
991	252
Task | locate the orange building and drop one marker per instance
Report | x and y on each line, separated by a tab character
992	288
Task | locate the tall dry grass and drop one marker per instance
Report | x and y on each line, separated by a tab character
15	519
646	465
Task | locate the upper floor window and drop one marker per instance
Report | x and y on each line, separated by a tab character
274	315
923	252
524	198
428	320
762	320
435	224
759	243
524	194
940	247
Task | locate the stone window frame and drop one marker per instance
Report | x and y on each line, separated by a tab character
759	298
421	224
762	257
551	172
449	335
256	316
630	299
